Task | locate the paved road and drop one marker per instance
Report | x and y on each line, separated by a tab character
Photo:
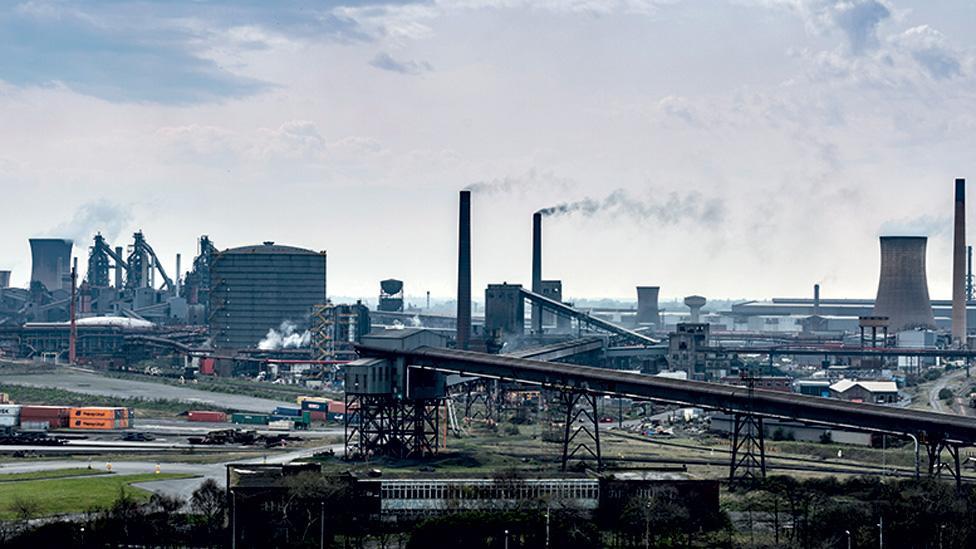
80	381
934	401
182	487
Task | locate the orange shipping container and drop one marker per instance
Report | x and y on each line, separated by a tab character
83	423
97	413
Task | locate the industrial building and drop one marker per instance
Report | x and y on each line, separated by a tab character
254	289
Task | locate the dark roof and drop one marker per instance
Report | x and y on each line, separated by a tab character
269	248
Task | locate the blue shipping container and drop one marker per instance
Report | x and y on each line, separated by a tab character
291	412
314	406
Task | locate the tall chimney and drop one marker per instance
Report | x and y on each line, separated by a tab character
816	299
959	266
537	270
464	272
178	275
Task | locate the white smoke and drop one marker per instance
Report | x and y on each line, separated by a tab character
285	337
415	321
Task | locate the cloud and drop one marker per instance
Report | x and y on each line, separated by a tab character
386	62
930	49
857	19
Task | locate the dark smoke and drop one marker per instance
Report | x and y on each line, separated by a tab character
674	208
529	181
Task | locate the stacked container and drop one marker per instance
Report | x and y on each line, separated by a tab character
9	415
337	410
315	405
42	418
287	412
99	418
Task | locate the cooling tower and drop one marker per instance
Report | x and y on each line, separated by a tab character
959	266
50	261
464	272
903	291
537	270
647	310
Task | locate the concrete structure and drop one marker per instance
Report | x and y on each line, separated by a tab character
504	310
873	392
391	295
959	266
464	271
256	288
695	304
903	291
404	340
50	261
553	289
647	307
4	279
686	350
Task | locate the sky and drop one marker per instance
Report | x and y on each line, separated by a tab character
733	149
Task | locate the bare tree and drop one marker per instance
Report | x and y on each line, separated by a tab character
25	509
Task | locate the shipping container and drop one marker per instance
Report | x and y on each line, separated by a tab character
8	421
303	399
35	425
208	416
99	413
44	411
207	366
336	407
96	423
250	419
316	405
285	411
281	425
319	416
10	410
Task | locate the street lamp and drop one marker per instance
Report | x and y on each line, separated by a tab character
506	539
848	534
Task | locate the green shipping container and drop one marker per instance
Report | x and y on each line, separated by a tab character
249	419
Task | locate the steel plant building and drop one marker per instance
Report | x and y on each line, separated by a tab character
256	288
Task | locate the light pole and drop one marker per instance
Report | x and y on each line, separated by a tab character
506	539
848	534
547	527
881	532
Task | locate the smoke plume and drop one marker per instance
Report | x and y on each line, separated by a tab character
285	337
104	217
531	180
674	208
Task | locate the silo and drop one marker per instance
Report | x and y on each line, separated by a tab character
256	288
903	290
647	309
50	261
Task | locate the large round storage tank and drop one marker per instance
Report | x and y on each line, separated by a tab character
256	288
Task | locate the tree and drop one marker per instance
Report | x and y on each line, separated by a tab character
25	509
209	501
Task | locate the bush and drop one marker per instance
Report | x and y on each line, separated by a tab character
946	394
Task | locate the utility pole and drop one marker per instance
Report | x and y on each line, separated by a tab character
73	313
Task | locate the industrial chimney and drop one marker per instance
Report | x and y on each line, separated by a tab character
647	309
959	266
50	261
4	279
464	272
537	270
903	291
816	299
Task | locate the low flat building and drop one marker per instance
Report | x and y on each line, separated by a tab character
874	392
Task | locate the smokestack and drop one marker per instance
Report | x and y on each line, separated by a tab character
464	272
816	299
537	270
903	291
4	279
177	281
959	266
118	268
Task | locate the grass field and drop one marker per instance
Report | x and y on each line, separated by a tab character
54	473
74	495
23	394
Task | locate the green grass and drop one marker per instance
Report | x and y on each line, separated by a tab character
75	495
23	394
54	473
